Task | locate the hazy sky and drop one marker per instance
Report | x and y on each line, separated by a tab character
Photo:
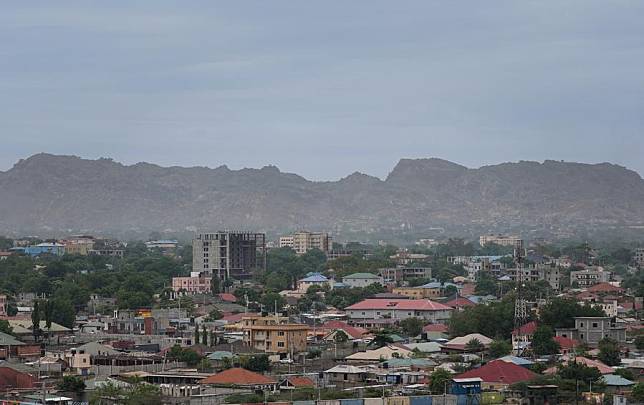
323	88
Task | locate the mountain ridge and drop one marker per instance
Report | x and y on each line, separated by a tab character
49	193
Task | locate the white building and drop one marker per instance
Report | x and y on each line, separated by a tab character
362	280
398	309
303	241
501	240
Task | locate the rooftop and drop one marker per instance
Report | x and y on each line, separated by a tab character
416	305
500	371
238	376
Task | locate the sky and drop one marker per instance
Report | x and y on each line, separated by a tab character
323	88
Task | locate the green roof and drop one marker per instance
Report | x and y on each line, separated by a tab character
361	275
8	340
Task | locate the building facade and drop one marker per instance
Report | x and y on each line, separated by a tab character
589	277
303	241
501	240
396	309
362	280
272	335
197	283
229	254
405	273
591	330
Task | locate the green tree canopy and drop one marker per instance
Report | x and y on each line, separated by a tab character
543	342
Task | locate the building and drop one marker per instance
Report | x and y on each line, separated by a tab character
431	290
79	245
552	275
242	379
501	240
316	279
229	254
362	280
405	273
396	310
108	252
197	283
54	249
589	277
590	330
404	258
11	379
638	257
271	334
303	241
3	305
499	374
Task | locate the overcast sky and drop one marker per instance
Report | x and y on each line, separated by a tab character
323	88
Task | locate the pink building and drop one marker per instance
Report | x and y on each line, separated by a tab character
195	284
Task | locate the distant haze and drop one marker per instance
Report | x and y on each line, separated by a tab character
323	88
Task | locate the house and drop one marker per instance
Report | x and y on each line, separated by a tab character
240	378
590	330
23	328
405	273
316	279
459	344
603	368
424	347
383	353
398	310
526	331
197	283
459	303
11	379
295	382
616	383
345	374
605	287
566	345
519	361
362	280
227	297
54	249
499	374
333	327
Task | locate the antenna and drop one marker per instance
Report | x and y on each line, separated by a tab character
520	305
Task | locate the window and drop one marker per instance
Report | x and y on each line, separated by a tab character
346	377
280	333
582	324
595	324
280	344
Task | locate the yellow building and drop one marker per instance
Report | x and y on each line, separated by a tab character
273	335
419	293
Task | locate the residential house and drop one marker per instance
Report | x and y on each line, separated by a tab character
590	330
383	353
197	283
271	335
499	374
398	310
11	379
362	280
346	375
459	344
316	279
242	379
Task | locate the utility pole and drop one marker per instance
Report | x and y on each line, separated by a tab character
520	304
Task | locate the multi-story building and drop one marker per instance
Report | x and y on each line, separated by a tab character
532	274
3	305
229	254
405	273
404	257
362	280
431	290
197	283
638	257
54	249
272	334
501	240
303	241
163	245
397	309
591	330
78	245
589	277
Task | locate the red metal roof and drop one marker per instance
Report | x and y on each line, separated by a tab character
460	302
499	371
238	376
435	327
604	287
413	305
298	381
527	329
353	331
228	297
566	343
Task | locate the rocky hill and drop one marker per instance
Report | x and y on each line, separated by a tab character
48	193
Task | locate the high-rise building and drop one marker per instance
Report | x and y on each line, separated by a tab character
304	241
229	254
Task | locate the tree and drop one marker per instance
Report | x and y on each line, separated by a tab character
272	301
609	352
257	362
639	342
439	380
381	339
196	342
495	319
204	365
500	348
474	346
638	392
561	313
5	327
412	326
579	371
214	315
340	336
213	338
72	383
486	284
204	334
543	342
48	311
35	320
63	311
625	373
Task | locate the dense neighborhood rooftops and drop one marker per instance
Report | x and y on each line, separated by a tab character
385	304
